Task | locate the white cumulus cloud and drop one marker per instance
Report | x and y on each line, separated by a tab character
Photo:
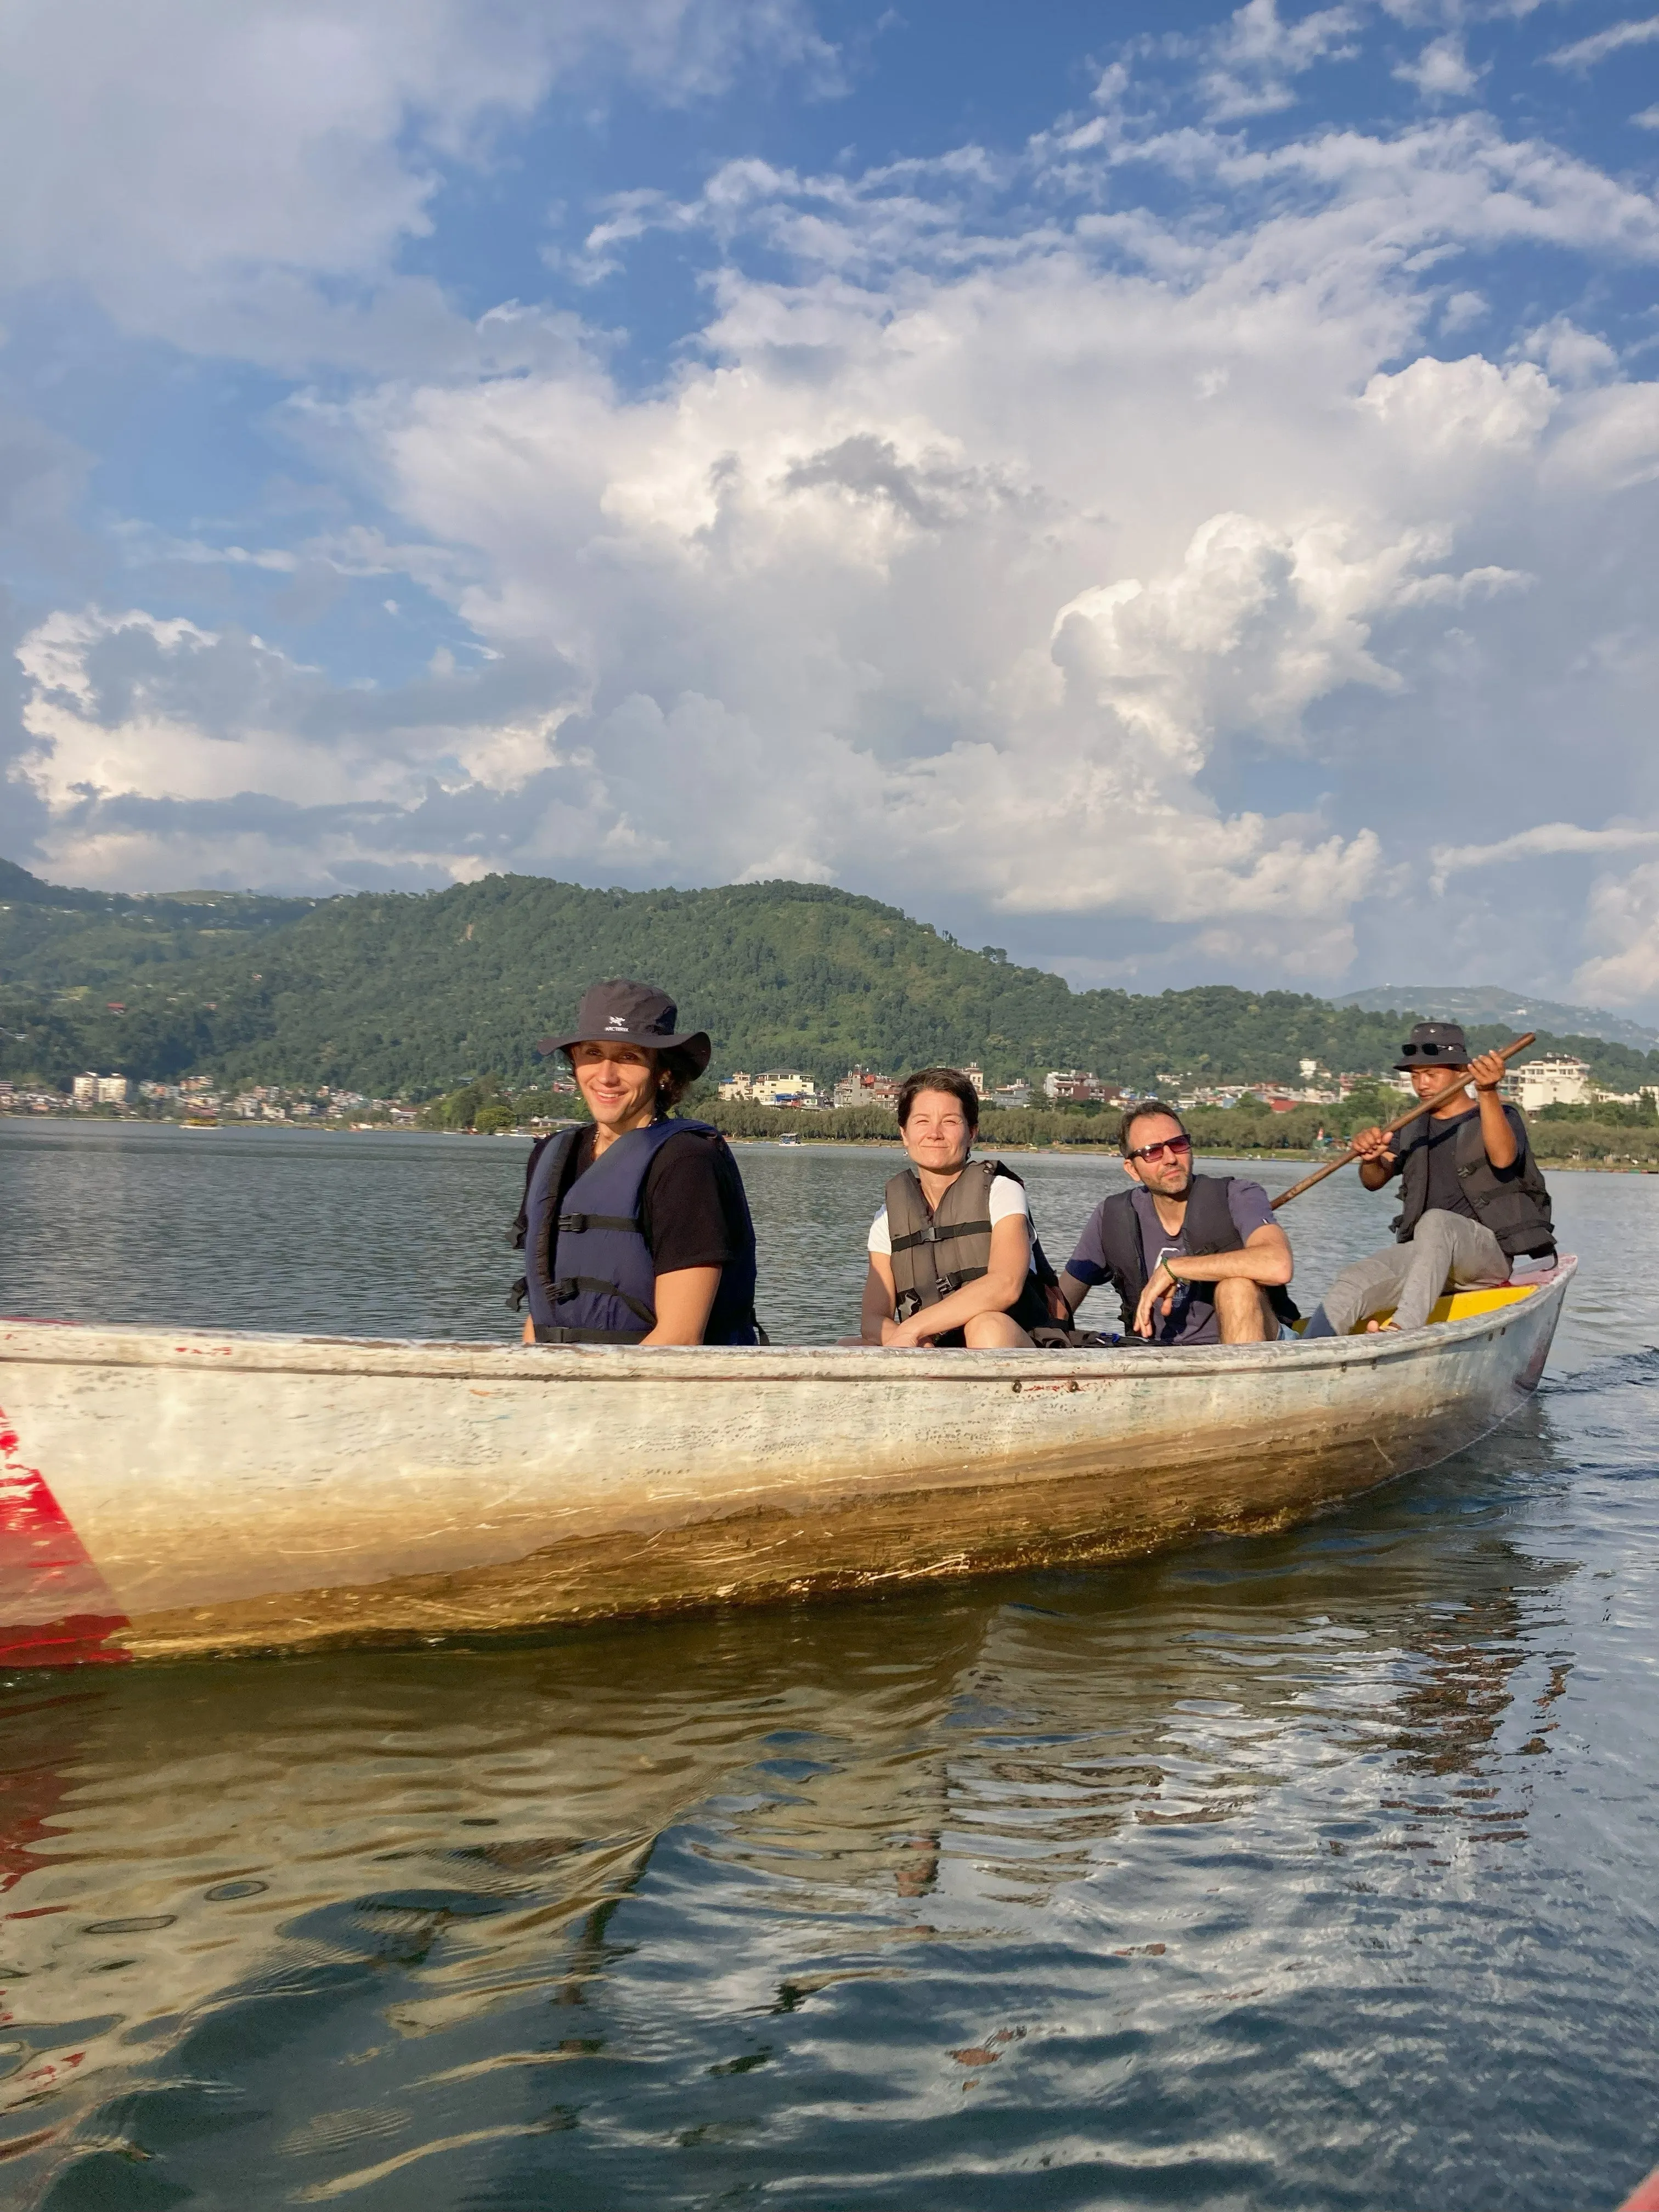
1096	533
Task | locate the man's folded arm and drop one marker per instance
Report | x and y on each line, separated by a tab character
1264	1257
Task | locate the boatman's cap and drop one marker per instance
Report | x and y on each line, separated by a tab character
615	1012
1435	1044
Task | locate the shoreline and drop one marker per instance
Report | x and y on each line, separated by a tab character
1290	1155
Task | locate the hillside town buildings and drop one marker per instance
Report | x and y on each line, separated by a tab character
196	1095
861	1087
1076	1086
1549	1078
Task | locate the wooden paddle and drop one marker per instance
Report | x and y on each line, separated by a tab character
1423	1106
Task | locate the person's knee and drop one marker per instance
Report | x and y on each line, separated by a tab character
1243	1310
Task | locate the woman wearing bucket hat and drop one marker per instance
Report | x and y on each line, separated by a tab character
636	1228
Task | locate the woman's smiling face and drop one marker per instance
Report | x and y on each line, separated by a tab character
938	1136
618	1081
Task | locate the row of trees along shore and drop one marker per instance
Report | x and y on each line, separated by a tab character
1616	1135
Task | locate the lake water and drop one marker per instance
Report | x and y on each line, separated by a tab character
1314	1871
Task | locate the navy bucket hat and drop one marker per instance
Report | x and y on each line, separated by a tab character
618	1012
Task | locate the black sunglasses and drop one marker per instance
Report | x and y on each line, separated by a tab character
1432	1052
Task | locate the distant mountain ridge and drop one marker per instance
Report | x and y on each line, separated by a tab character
1490	1002
418	993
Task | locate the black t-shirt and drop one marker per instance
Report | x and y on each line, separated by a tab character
693	1212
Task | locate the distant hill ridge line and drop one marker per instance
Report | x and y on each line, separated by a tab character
393	993
1491	1002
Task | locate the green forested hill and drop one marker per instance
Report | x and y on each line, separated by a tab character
57	938
413	993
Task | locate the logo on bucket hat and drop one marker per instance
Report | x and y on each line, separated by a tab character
619	1012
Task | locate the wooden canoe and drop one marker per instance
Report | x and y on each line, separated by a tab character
169	1492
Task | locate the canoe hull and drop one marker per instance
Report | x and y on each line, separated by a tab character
167	1494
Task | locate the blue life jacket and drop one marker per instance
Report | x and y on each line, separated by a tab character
588	1271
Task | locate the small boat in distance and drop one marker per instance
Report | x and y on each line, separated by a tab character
170	1492
200	1121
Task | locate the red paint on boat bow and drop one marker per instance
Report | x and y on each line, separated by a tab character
1646	2198
56	1609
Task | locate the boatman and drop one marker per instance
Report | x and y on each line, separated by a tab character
953	1262
636	1228
1194	1259
1473	1200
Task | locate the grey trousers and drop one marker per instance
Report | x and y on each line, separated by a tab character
1446	1250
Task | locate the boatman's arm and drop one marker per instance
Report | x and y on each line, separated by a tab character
1486	1073
1378	1161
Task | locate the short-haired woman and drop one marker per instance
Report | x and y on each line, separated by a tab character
951	1252
636	1228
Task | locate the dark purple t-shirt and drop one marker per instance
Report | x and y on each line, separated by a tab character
1193	1317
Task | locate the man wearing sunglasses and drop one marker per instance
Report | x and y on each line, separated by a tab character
1194	1259
1473	1199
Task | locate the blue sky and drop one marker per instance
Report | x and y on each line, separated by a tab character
1171	490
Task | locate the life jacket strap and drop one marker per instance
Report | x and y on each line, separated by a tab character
933	1234
573	1224
587	1335
572	1286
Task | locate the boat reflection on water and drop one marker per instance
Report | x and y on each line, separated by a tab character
443	1869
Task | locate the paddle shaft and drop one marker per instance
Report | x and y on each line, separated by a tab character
1505	1052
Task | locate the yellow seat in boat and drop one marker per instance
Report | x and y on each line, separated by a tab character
1461	1305
1458	1305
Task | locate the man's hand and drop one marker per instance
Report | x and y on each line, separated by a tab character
1372	1145
1161	1287
1488	1071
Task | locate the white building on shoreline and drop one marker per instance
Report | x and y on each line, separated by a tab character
777	1087
1554	1079
94	1090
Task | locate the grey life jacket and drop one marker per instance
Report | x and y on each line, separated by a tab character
937	1250
1515	1206
1208	1226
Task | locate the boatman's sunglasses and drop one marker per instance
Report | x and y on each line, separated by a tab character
1452	1054
1174	1145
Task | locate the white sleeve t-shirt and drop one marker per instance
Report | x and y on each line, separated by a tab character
1007	1197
